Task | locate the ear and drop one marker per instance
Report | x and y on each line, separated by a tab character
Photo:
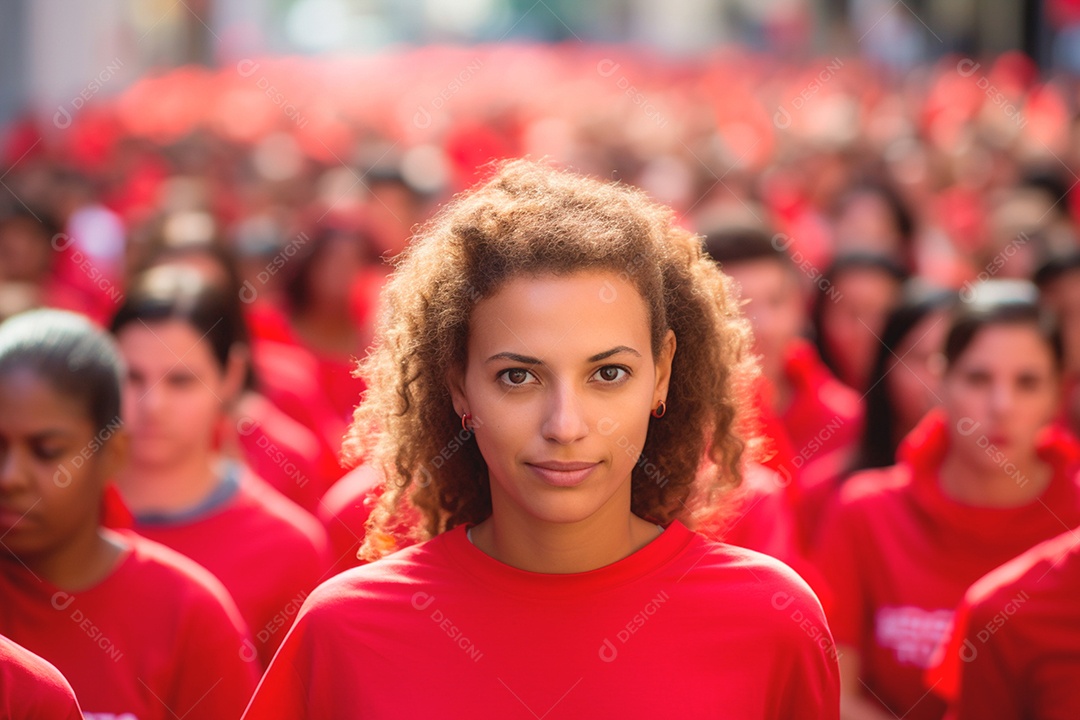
235	373
663	368
455	383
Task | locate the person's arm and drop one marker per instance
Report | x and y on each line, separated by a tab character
853	706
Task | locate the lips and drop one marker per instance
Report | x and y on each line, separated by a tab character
10	518
562	474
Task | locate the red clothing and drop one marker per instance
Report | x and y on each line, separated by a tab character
30	687
898	555
344	512
684	627
758	516
267	552
283	452
157	639
824	422
1015	649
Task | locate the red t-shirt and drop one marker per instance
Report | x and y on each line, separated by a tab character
283	452
823	422
159	638
266	551
344	512
31	688
757	515
898	555
1015	649
684	627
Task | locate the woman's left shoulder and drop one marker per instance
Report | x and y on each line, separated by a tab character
753	578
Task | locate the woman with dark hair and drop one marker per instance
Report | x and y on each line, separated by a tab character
906	372
137	629
280	450
857	292
977	482
555	362
179	335
305	351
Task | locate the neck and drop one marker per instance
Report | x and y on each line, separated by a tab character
173	487
522	541
779	385
81	562
1012	483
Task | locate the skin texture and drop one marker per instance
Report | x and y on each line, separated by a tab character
53	467
570	406
775	308
1001	391
174	394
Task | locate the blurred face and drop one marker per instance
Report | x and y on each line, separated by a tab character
852	322
333	273
1001	391
914	383
24	251
174	392
774	308
53	466
560	380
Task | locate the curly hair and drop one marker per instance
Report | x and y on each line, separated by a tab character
530	220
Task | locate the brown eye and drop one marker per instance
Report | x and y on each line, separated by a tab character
515	376
611	373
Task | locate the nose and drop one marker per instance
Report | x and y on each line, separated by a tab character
1001	400
565	419
10	473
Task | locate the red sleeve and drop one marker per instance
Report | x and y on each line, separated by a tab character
282	692
973	675
214	675
32	688
810	677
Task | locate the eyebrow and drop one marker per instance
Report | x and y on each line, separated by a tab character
526	360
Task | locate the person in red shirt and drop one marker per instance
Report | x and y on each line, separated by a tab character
811	420
527	402
138	630
1014	653
977	482
30	687
177	333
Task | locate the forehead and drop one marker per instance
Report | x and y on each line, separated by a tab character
162	341
561	316
1007	345
29	402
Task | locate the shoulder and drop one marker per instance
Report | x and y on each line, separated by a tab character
263	506
30	684
160	572
1050	570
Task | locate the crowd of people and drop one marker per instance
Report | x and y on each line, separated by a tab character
245	308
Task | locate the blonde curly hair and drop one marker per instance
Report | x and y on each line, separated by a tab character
530	219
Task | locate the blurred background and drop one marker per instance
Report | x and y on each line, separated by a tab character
290	148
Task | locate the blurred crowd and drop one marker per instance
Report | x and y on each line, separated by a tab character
854	206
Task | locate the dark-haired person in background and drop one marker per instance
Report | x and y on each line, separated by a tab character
977	482
809	418
903	383
179	335
858	291
137	629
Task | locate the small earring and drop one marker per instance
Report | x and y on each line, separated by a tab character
465	418
660	410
